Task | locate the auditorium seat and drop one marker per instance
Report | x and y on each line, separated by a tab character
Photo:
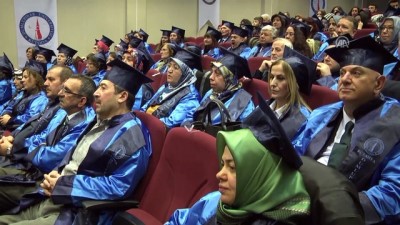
370	25
81	66
157	78
320	95
158	132
156	56
185	173
255	85
255	63
363	32
190	39
199	40
206	62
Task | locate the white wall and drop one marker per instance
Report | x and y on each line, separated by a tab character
81	21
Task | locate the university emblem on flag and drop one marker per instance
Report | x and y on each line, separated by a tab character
37	28
317	5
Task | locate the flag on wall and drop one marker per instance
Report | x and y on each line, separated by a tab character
316	5
208	11
36	22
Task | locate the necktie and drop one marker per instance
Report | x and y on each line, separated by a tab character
341	149
59	130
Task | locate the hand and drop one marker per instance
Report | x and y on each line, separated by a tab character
4	145
265	65
324	69
4	119
49	182
9	138
360	25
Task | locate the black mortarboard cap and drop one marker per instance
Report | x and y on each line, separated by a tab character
47	53
130	35
236	64
239	31
101	58
267	129
192	60
38	67
193	48
339	39
214	32
364	52
123	45
305	28
125	76
68	51
250	29
303	68
6	65
228	24
319	23
107	41
165	33
134	42
179	31
144	34
284	18
145	56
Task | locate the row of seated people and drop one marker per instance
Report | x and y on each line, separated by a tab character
375	66
200	39
180	77
78	89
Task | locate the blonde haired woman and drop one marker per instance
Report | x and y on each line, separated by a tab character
286	101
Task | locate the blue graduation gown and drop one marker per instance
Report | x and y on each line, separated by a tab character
382	187
45	152
25	110
177	108
239	106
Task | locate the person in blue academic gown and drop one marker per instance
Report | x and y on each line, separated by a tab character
107	162
34	100
177	97
64	57
96	67
370	157
44	55
6	75
226	87
45	149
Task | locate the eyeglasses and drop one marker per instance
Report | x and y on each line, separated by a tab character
388	28
67	91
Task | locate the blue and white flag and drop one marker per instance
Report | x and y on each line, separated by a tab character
208	11
36	22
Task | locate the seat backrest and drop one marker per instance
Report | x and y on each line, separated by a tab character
363	32
225	44
81	66
157	78
156	56
255	63
153	47
200	40
158	132
186	172
190	39
320	95
206	62
255	85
